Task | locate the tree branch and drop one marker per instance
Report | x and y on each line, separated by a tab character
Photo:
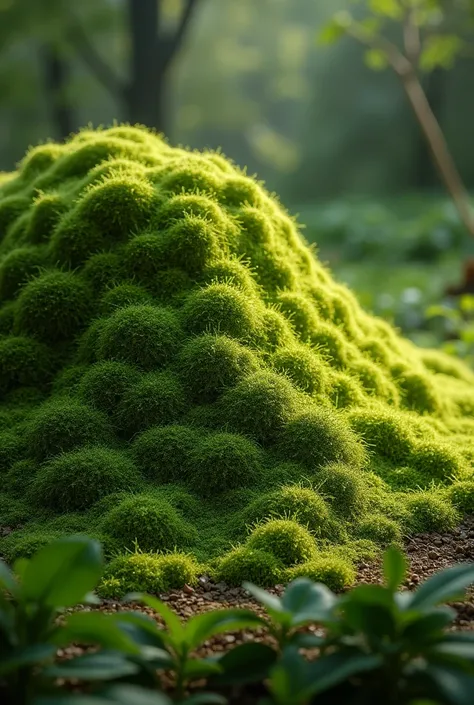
400	64
172	44
92	59
412	40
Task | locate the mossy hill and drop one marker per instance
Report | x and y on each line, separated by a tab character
179	371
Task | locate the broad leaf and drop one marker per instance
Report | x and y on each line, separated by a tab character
450	685
425	627
329	671
448	585
387	8
308	602
203	699
26	657
7	579
201	668
247	663
376	59
95	628
172	621
271	602
94	667
117	695
394	568
63	572
440	51
206	625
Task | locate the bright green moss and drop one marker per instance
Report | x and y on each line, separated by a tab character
164	453
260	405
23	362
151	522
344	488
17	268
302	504
77	479
63	424
133	572
157	398
333	571
220	309
104	384
177	570
251	565
210	364
317	437
430	511
461	495
145	336
224	461
287	540
380	530
302	366
54	307
158	305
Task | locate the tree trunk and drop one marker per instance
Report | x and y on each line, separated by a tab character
144	96
55	78
425	177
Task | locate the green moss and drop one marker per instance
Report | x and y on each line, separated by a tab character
164	453
461	495
7	318
220	309
103	270
151	522
17	267
45	215
317	437
334	572
232	272
54	307
224	461
385	433
210	364
344	488
178	570
25	543
435	461
418	393
19	477
251	565
380	530
157	398
330	344
104	384
300	312
23	363
68	381
192	244
430	511
12	448
77	479
144	258
302	367
287	540
344	391
146	336
11	207
63	424
122	296
135	572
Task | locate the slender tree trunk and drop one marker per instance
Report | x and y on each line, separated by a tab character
55	78
145	93
425	178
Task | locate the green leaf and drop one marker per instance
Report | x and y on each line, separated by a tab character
247	663
308	601
394	568
271	602
387	8
63	572
206	625
201	668
203	699
331	33
329	671
95	628
7	579
117	695
441	51
26	657
100	666
448	585
425	627
376	59
451	685
172	621
143	630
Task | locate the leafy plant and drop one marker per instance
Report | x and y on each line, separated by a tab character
428	41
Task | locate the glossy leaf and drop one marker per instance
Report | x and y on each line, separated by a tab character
271	602
206	625
94	667
450	685
172	621
63	572
95	628
308	601
247	663
448	585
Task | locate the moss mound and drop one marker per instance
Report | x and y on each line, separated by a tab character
176	365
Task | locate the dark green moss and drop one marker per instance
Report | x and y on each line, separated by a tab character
104	384
164	453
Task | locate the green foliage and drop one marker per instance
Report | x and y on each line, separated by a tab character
286	539
430	511
343	487
461	495
246	563
164	453
334	572
380	529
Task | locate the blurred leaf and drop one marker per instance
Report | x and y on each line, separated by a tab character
448	585
247	663
394	568
387	8
94	667
26	657
376	59
440	51
204	626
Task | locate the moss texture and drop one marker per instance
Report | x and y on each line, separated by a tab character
178	369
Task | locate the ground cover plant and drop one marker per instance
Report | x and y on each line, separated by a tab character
179	374
374	643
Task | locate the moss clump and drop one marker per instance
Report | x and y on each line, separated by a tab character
334	572
220	309
251	565
430	511
148	572
344	488
63	424
178	570
210	364
104	384
23	363
22	544
159	306
149	521
164	453
145	336
461	495
77	479
287	540
54	306
157	398
224	461
318	437
380	530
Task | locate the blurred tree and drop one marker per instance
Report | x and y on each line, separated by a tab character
154	44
